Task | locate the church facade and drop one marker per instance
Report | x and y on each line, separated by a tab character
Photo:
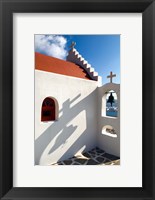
70	109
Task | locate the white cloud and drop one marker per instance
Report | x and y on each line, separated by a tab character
51	45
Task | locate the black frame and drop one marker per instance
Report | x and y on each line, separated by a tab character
7	8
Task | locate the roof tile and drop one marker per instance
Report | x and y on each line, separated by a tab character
55	65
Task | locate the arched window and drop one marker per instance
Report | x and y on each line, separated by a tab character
48	111
111	104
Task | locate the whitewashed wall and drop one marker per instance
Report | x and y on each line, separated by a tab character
76	127
106	142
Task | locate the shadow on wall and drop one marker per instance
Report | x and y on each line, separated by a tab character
55	136
67	132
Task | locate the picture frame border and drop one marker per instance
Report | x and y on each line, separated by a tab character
7	8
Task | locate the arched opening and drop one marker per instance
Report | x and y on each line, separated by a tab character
109	131
111	104
48	111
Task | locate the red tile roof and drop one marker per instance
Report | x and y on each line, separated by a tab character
55	65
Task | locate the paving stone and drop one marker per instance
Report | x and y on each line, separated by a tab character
81	161
96	157
92	162
97	154
67	162
60	163
75	163
100	151
86	154
94	149
100	159
111	157
92	153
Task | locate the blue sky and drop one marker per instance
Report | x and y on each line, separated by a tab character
101	51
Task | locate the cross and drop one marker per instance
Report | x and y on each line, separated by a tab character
72	45
111	76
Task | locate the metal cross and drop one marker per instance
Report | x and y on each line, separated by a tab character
72	45
111	76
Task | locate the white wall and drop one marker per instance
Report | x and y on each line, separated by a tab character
76	127
108	143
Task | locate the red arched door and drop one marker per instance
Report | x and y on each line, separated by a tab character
48	110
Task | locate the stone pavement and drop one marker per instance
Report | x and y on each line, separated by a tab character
94	157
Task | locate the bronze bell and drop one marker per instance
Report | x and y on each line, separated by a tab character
111	99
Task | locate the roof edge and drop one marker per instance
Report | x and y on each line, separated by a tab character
76	58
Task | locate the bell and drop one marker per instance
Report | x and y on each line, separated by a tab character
111	99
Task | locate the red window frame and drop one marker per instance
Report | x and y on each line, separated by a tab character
48	110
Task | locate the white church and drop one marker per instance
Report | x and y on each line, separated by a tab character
70	109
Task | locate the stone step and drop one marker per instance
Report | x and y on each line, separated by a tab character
76	58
